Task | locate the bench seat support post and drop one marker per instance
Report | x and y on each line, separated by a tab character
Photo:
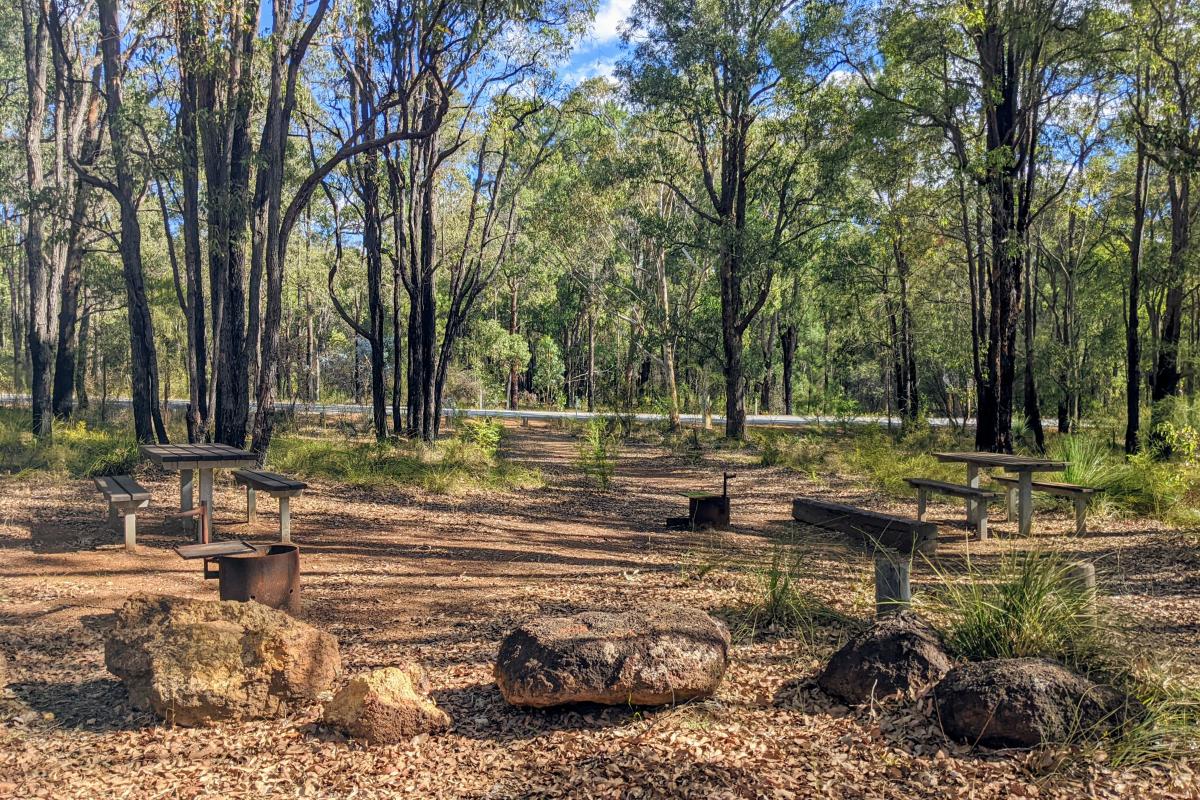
251	504
1026	501
892	591
1010	504
1080	515
127	513
973	482
981	521
922	499
285	520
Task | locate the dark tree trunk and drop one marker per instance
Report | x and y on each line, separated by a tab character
1033	414
148	423
1166	370
1133	350
789	342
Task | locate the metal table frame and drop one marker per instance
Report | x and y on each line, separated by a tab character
187	459
1023	466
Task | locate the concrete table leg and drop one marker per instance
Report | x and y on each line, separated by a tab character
285	520
187	482
1026	501
206	495
251	504
973	482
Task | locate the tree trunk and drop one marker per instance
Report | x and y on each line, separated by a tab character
1166	370
1033	414
591	355
39	322
1133	351
789	342
143	367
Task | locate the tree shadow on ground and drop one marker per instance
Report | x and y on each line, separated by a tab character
479	711
97	706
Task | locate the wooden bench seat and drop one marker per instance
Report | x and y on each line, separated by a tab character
1078	494
877	529
975	497
125	496
274	484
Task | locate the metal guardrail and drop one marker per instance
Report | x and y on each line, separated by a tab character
752	420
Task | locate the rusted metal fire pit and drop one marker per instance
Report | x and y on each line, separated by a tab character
706	510
270	575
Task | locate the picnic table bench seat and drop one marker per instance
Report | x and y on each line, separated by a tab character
125	496
278	486
1078	494
928	486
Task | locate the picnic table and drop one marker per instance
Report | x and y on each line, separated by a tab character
187	459
1023	466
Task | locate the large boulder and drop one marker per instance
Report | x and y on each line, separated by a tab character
1026	702
899	653
635	658
198	661
386	706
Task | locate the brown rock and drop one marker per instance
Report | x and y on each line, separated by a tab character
197	661
1026	702
899	653
386	706
637	658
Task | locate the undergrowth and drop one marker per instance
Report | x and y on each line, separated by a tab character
599	443
781	606
1031	607
467	461
76	449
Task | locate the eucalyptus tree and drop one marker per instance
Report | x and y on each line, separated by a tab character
716	72
989	76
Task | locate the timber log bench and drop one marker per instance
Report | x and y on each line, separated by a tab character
973	496
876	529
125	496
278	486
1079	495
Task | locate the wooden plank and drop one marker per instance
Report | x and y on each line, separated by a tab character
876	529
954	489
1051	487
213	549
1005	460
112	490
131	487
270	482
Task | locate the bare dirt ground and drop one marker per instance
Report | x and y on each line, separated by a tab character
406	575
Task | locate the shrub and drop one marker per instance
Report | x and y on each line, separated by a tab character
482	433
1139	484
598	446
800	453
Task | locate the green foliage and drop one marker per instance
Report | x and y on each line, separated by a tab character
599	443
799	452
76	449
1032	608
453	466
886	462
1140	484
780	606
1028	609
484	434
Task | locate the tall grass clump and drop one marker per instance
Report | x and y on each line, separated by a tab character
780	605
1029	609
1032	608
599	443
1139	484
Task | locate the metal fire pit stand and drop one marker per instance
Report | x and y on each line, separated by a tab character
706	510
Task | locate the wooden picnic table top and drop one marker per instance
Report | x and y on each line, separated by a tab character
189	456
1010	462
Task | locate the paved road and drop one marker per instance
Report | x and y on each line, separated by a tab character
752	420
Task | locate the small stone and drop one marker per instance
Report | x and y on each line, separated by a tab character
386	706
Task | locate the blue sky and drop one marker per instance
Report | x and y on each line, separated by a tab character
599	51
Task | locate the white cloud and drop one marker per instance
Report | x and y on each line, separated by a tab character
609	17
599	68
